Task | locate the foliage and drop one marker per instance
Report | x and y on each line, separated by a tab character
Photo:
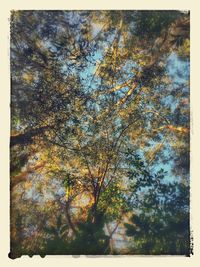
100	102
160	224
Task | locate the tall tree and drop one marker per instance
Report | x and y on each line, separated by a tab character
91	90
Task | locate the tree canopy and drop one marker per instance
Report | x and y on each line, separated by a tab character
100	132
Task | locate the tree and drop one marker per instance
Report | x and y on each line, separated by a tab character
90	90
160	222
